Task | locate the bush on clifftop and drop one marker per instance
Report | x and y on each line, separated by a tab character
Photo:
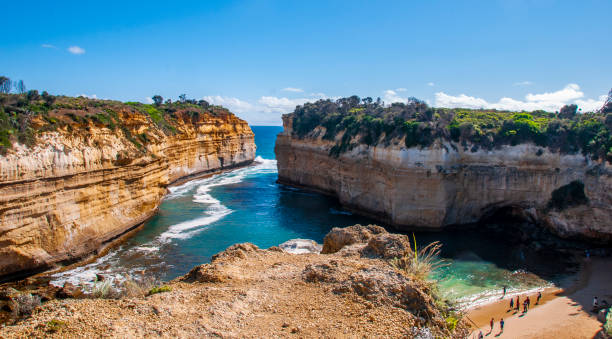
352	121
23	116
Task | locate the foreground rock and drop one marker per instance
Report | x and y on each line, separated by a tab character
250	292
84	182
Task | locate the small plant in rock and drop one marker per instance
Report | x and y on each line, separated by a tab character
102	289
608	324
138	287
421	262
160	289
54	325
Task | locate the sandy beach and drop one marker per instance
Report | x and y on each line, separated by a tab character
560	313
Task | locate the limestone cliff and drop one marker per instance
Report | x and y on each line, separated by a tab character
87	180
448	184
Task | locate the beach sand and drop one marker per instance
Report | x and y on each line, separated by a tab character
560	314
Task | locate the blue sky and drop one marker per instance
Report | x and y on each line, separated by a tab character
261	58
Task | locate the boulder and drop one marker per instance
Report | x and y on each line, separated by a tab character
301	246
340	237
69	291
387	246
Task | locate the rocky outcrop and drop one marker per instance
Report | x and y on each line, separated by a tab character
449	183
85	183
247	292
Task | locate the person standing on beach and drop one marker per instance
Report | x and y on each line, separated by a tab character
480	336
539	297
511	303
518	303
595	303
501	325
528	302
504	291
492	323
525	306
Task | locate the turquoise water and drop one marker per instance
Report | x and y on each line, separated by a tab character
203	217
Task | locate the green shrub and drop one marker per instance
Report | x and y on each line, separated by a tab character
421	125
160	289
54	325
608	324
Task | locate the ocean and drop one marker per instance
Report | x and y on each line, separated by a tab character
205	216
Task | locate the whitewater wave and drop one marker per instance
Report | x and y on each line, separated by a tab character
215	211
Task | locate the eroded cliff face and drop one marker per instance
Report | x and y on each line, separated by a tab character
84	184
448	184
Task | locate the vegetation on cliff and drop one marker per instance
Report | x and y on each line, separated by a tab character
353	120
24	115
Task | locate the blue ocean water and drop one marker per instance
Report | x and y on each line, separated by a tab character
205	216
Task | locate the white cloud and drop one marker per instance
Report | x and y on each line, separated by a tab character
148	100
549	101
570	92
390	96
233	104
292	89
523	83
47	46
90	96
401	89
431	84
76	50
280	105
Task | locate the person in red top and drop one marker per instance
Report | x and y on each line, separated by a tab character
492	323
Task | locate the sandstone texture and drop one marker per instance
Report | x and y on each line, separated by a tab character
84	184
247	292
449	183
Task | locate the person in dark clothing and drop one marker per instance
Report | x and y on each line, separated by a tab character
518	303
504	291
539	297
511	303
492	323
528	302
501	325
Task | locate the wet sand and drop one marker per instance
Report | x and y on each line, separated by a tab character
561	313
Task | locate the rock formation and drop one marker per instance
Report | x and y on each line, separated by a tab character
449	184
248	292
85	183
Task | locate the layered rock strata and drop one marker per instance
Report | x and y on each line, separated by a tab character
84	184
450	184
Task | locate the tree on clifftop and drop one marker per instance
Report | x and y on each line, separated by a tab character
5	85
568	111
607	106
20	87
157	99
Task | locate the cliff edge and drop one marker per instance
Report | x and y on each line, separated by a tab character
247	292
414	166
82	172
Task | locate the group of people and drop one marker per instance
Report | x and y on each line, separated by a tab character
514	305
526	303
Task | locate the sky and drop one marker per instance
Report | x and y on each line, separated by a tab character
262	58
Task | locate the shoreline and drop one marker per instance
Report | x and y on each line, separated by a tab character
41	277
563	312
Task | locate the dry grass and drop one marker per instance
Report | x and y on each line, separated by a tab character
419	264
